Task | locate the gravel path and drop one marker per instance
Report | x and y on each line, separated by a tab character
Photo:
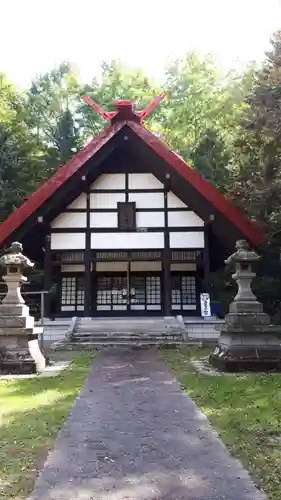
134	435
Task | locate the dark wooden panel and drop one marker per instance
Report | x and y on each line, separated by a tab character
126	215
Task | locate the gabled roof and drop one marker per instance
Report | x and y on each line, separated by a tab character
126	117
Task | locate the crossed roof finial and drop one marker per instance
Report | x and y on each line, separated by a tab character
109	115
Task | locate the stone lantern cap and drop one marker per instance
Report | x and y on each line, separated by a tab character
243	255
15	258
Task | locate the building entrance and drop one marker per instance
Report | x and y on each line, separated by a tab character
128	292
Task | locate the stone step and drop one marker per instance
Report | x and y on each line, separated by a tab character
125	338
125	325
122	332
61	345
126	332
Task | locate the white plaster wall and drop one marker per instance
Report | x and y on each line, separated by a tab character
150	219
72	308
147	200
136	266
144	181
106	200
174	201
107	267
69	219
103	219
127	240
109	181
139	266
184	219
187	239
72	268
183	266
80	202
68	241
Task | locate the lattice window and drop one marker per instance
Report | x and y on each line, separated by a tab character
183	290
188	285
138	290
112	256
72	291
185	255
134	255
110	290
153	290
68	290
80	293
71	256
149	255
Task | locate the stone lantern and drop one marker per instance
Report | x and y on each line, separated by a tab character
19	347
247	339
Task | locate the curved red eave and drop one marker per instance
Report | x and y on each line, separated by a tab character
48	188
250	230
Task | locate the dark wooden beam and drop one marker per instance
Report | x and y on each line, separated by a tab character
87	261
47	276
126	190
159	229
166	261
206	260
114	210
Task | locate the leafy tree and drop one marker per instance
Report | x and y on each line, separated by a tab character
21	167
21	162
257	176
194	105
51	113
211	158
9	101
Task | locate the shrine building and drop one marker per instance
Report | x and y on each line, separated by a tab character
127	227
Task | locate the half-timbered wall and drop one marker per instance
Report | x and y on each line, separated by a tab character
185	227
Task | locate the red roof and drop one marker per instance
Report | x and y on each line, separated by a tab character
249	229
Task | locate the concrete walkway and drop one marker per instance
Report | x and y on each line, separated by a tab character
135	435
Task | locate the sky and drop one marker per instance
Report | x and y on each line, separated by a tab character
39	34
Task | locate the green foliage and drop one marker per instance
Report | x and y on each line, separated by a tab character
21	165
256	178
51	109
210	158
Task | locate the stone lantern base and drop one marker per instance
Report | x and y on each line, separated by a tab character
248	342
19	348
257	350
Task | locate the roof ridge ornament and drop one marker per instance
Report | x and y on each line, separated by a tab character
124	105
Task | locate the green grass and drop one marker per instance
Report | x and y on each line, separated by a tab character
246	411
31	413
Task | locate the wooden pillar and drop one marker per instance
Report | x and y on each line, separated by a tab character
87	261
47	276
166	259
206	261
